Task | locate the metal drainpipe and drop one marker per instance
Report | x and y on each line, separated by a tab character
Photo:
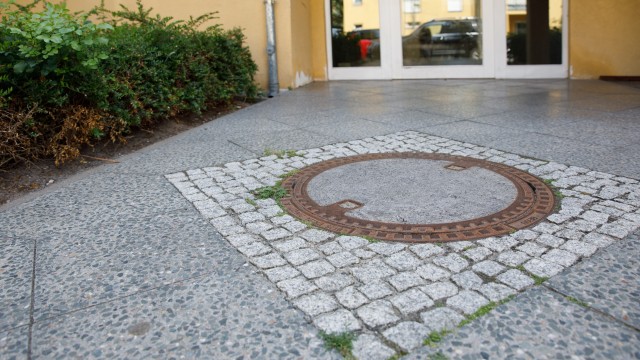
274	86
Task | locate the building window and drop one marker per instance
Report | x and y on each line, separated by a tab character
517	5
455	5
357	2
411	6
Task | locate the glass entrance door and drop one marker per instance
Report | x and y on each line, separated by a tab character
439	39
532	35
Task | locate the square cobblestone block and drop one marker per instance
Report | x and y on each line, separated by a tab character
334	281
561	257
467	301
258	227
432	273
478	253
351	242
275	234
498	244
426	250
370	348
440	290
364	254
386	248
378	313
598	240
581	248
532	249
331	248
403	261
467	280
542	268
411	301
488	267
242	239
250	217
296	286
407	335
351	298
316	236
337	322
453	262
233	230
281	273
405	280
372	271
281	220
376	290
301	256
289	245
513	258
441	319
254	249
496	292
343	259
516	279
293	226
316	304
459	245
550	240
268	261
316	269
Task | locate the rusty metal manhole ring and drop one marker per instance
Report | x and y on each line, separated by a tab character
534	201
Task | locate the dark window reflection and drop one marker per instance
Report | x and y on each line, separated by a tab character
534	32
355	33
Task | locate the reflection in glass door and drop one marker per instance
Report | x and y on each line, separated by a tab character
441	32
355	33
534	32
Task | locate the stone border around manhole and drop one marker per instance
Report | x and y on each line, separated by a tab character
533	203
393	294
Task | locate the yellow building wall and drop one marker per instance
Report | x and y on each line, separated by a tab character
604	38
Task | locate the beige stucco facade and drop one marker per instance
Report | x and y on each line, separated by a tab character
602	37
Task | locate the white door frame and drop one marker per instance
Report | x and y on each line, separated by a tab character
493	20
504	71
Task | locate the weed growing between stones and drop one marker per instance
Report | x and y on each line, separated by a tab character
251	202
556	192
438	356
577	301
538	280
275	192
435	337
281	154
484	310
343	343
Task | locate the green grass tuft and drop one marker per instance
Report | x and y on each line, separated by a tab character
438	356
435	337
251	202
343	343
577	301
484	310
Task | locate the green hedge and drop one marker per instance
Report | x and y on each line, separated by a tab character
118	69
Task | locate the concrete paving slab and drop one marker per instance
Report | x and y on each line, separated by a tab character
473	132
538	324
281	140
14	344
608	282
104	261
16	270
97	199
228	314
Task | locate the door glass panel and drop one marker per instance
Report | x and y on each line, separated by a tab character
441	32
534	32
355	33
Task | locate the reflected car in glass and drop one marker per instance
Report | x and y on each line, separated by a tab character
456	38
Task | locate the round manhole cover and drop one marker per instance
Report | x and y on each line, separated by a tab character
417	197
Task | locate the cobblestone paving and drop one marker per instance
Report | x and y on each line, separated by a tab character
393	295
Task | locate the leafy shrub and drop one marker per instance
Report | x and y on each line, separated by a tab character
66	81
